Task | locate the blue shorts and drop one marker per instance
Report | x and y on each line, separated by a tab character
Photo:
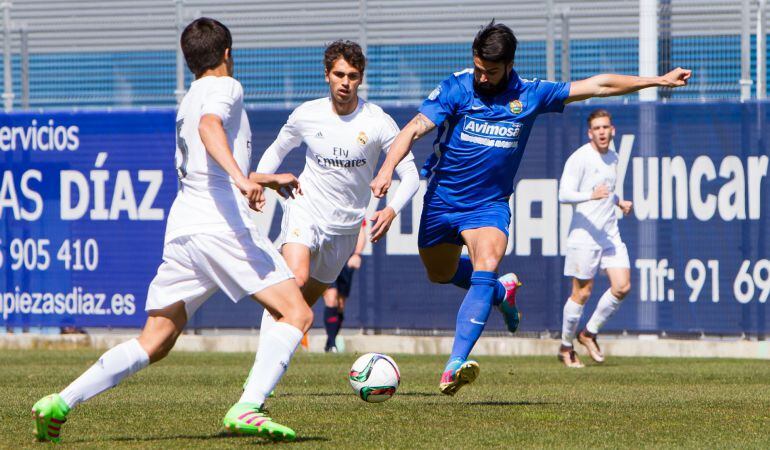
442	223
344	281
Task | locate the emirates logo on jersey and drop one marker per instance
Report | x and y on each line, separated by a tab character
362	138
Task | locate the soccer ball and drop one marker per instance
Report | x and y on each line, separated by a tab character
375	377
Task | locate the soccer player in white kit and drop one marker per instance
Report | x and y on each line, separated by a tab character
211	243
345	136
588	183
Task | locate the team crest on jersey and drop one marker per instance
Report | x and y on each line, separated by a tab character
516	106
295	232
362	138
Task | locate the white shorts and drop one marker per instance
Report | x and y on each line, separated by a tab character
240	263
583	263
328	252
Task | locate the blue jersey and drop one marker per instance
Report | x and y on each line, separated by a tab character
481	139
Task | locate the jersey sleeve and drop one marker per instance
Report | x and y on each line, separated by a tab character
223	94
570	182
441	102
551	95
289	138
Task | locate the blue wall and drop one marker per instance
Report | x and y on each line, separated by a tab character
713	236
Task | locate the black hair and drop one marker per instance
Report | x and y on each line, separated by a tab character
349	51
495	42
204	42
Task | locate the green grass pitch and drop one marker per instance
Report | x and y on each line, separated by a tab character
517	402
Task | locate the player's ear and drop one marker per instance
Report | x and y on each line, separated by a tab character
509	67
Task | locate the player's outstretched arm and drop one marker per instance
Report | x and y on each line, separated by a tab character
418	127
287	140
608	85
286	184
214	138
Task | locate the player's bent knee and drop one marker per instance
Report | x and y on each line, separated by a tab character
299	315
305	319
581	297
330	299
488	264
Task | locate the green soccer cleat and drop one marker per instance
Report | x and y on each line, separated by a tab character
249	419
50	413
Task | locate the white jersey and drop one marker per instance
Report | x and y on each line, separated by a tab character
208	201
342	153
594	223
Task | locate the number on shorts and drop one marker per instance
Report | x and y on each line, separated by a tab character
181	169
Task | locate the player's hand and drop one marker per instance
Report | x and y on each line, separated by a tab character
625	206
258	204
253	192
380	185
285	184
381	221
601	191
675	78
354	262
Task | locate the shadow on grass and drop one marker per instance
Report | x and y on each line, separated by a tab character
348	394
316	394
419	394
521	403
200	437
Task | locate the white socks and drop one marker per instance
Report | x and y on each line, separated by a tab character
276	347
607	306
117	363
267	322
572	313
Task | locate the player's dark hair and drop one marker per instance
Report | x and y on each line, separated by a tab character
348	50
204	42
495	42
595	114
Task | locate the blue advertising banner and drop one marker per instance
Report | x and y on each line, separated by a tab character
83	203
84	197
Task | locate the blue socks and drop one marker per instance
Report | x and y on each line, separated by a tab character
499	294
462	279
332	323
474	312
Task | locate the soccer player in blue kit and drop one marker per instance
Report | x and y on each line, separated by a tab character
484	116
